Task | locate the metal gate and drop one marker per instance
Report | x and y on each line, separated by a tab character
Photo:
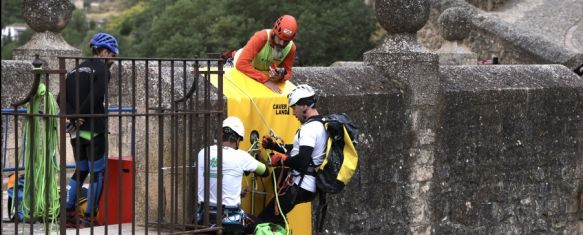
160	113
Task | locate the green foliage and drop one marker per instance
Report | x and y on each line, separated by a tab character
84	47
77	29
333	30
180	33
25	36
11	12
328	30
8	48
10	45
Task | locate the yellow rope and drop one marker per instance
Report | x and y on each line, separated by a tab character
275	136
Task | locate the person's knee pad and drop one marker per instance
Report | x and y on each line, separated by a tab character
95	185
82	176
82	165
71	193
81	171
97	165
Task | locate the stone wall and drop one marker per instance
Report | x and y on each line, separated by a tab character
487	5
375	198
492	36
17	79
508	154
443	150
511	156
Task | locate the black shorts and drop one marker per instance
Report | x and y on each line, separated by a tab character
293	196
89	149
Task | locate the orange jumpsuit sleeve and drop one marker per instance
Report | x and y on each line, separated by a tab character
288	62
248	53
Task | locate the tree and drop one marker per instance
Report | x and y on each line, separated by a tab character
194	28
7	49
77	29
11	12
10	45
328	30
332	31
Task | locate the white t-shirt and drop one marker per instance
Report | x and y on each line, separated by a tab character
235	162
312	134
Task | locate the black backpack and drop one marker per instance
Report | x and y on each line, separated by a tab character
341	158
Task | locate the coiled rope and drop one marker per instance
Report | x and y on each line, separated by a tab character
41	164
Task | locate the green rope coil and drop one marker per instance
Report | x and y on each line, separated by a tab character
44	155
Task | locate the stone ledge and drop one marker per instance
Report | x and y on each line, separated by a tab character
514	45
508	77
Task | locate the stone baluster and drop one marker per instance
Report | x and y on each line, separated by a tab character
47	18
402	59
454	26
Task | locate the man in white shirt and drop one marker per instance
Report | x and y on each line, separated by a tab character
235	163
302	157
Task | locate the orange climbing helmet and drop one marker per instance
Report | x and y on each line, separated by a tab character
285	27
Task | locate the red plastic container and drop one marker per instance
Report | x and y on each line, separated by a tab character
112	193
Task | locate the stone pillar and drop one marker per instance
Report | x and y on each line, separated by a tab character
47	18
402	59
454	25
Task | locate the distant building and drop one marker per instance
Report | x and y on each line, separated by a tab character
13	31
94	5
79	4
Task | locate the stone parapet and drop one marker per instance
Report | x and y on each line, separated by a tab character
509	149
493	36
498	150
375	199
488	5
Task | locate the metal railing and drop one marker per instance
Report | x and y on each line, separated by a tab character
173	111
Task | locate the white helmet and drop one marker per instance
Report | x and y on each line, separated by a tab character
301	91
235	124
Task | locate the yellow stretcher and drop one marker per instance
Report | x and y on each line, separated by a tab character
260	109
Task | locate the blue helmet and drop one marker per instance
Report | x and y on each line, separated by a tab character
104	40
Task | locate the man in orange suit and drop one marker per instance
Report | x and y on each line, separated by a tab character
268	56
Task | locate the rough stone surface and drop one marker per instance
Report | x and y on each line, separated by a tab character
454	24
519	45
49	46
513	43
16	78
504	153
398	56
457	59
510	146
454	27
404	61
559	21
456	53
156	85
16	81
402	16
47	18
488	5
379	107
47	15
346	63
450	150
